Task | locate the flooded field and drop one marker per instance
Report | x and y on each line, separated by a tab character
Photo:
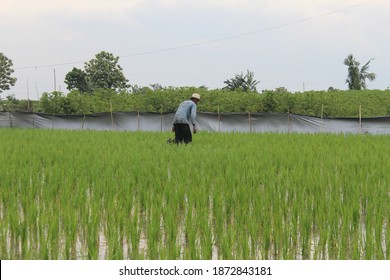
130	195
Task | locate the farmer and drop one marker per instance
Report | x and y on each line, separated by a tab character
184	117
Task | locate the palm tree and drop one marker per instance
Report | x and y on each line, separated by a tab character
242	82
357	77
250	82
365	75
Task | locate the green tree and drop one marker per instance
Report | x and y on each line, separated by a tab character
242	82
6	81
55	103
269	102
331	88
357	76
77	79
103	71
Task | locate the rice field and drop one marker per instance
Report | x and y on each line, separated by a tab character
130	195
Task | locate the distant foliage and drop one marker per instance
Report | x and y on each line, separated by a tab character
77	79
101	72
313	103
6	71
357	76
246	83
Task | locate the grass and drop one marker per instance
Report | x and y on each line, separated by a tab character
129	195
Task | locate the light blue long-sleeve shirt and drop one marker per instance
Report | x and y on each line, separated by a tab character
186	112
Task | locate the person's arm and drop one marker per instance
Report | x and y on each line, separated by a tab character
193	117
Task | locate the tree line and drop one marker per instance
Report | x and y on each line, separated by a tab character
102	87
312	103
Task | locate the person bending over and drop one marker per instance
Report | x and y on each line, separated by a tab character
184	117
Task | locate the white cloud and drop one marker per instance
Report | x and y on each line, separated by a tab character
295	33
274	7
123	11
307	7
36	7
22	11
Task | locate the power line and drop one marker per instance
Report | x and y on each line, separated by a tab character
213	40
249	33
49	65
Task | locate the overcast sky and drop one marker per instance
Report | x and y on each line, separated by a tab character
296	44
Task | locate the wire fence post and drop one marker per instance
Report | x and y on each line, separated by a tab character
289	121
360	119
138	120
52	116
82	124
219	120
322	118
112	117
10	119
161	120
250	121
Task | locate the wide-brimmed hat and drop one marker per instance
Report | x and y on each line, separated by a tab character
196	96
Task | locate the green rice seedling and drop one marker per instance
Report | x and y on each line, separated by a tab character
92	238
153	233
114	195
170	226
135	229
206	240
190	247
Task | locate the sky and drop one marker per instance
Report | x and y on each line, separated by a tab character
297	44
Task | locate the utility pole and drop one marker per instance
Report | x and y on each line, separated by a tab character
36	89
55	82
28	96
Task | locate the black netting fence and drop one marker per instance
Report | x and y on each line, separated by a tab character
228	122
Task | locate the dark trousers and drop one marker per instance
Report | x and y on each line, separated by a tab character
182	133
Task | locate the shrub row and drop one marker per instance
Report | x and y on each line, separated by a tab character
368	103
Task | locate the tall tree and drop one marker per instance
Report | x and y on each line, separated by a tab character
77	79
103	71
364	74
6	81
242	82
357	76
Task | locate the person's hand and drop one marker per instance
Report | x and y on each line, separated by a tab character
195	130
173	128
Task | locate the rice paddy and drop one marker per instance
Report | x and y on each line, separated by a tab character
130	195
